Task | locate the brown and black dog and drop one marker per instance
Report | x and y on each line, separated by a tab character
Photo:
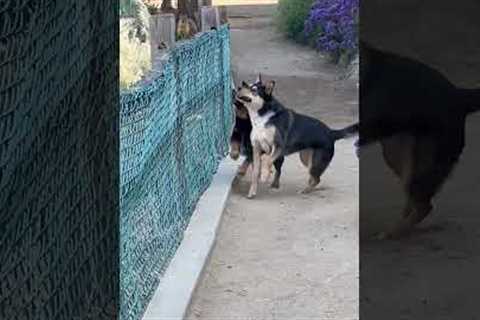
240	143
240	140
418	117
278	132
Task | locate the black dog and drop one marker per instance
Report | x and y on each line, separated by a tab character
278	132
419	118
240	143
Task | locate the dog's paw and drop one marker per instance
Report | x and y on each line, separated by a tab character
275	185
252	192
242	170
235	148
241	174
307	190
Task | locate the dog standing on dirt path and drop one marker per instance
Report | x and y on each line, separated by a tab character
418	117
240	143
278	132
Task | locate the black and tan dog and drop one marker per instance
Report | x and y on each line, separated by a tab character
418	116
240	143
278	132
240	140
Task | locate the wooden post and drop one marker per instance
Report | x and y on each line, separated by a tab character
162	32
223	14
209	18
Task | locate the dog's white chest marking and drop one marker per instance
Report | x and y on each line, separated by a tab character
262	134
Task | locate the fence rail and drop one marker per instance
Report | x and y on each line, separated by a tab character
173	133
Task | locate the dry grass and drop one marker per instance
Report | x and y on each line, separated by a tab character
135	59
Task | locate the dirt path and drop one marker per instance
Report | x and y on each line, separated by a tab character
286	255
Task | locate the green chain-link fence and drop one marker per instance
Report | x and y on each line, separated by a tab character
59	170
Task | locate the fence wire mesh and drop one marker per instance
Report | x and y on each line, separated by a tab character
59	174
173	133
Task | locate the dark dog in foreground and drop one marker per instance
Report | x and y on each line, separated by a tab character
240	139
278	132
418	117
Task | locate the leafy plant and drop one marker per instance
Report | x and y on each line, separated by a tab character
334	24
134	58
291	15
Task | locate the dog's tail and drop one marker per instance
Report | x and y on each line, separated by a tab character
345	132
469	99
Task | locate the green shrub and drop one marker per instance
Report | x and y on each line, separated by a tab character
291	16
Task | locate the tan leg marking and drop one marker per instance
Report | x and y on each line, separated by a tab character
306	157
267	165
234	150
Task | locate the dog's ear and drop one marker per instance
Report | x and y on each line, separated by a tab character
259	79
269	87
245	85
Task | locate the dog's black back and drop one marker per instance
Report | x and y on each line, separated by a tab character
299	132
398	94
307	132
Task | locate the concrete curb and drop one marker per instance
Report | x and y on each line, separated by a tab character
172	297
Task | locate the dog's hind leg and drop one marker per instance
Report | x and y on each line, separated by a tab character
306	157
413	214
431	167
278	171
321	158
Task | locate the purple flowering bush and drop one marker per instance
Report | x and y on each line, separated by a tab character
333	25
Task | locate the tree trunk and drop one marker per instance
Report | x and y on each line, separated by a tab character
166	6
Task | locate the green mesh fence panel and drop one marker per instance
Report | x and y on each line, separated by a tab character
173	133
59	179
127	8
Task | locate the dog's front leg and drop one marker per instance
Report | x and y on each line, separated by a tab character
269	159
242	170
256	171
